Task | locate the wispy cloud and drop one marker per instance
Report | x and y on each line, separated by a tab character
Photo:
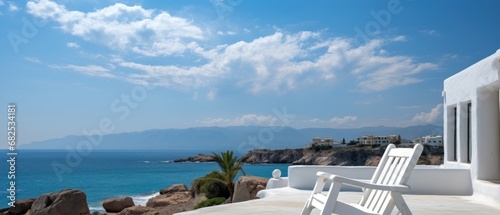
377	72
282	62
131	28
333	122
279	62
434	115
73	45
247	119
226	33
430	32
91	70
211	95
33	59
400	38
12	7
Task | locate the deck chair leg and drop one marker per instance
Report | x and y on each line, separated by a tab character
400	203
333	194
307	208
318	187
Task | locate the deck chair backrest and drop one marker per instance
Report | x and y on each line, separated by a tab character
395	168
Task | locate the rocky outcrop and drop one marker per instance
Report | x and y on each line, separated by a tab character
197	158
174	188
169	199
118	204
273	156
341	156
136	210
352	156
176	198
247	187
63	202
20	207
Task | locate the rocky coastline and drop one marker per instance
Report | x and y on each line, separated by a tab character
173	199
341	156
197	158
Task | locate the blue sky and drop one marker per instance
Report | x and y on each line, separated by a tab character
74	66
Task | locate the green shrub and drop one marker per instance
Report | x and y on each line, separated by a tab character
210	202
211	185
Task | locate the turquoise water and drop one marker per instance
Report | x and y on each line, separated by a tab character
107	174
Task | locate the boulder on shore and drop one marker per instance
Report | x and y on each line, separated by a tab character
118	204
174	199
135	210
247	187
174	188
170	199
20	207
68	202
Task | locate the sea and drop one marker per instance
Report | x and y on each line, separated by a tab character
107	173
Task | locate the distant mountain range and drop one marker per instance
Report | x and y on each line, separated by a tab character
238	138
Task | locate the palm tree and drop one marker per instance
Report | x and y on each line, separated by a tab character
230	166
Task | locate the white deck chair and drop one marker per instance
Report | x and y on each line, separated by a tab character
380	194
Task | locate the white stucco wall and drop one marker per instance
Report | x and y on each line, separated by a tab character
478	85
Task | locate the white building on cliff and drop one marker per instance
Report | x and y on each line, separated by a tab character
430	140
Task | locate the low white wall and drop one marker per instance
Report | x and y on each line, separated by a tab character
304	177
429	180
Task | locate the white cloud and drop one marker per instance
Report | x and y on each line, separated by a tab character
132	28
334	122
226	33
91	70
430	32
434	115
179	78
211	95
12	7
73	45
33	59
377	72
342	120
279	62
247	119
400	38
1	3
284	62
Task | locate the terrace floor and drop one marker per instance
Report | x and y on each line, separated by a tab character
290	201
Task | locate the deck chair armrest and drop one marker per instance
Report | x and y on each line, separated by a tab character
363	183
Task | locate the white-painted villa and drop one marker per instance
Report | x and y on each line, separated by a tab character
378	140
467	183
472	124
430	140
